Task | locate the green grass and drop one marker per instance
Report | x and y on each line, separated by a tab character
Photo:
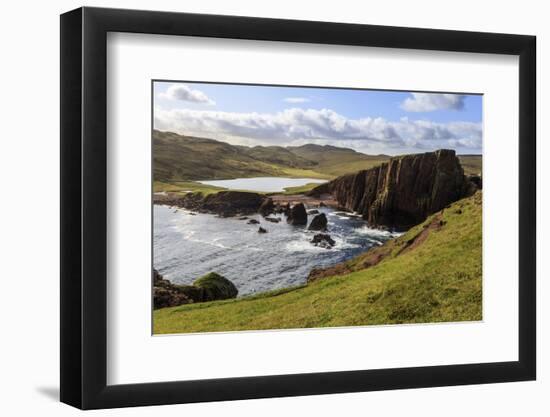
438	280
472	164
183	158
304	173
185	186
301	189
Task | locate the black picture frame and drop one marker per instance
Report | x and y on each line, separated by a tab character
84	207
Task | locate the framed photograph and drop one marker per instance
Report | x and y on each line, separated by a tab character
258	208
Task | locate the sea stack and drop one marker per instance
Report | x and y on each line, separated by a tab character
297	215
319	222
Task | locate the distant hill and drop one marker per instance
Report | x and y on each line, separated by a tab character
471	164
180	158
336	161
183	158
177	157
278	155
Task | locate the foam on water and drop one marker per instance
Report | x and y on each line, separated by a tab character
189	246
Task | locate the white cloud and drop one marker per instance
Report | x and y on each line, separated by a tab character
184	93
296	126
297	100
424	102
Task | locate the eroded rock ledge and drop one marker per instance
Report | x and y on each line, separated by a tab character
223	203
404	191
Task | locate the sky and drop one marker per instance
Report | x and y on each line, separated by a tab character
369	121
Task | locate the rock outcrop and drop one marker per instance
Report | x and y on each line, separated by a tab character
403	191
319	222
297	215
323	240
223	203
210	287
166	294
267	207
216	287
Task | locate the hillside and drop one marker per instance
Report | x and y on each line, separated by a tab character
278	155
337	161
472	164
183	158
178	157
432	273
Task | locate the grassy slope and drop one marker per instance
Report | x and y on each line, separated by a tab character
437	280
301	189
179	158
471	164
183	158
185	186
336	161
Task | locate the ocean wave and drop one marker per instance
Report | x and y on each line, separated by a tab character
368	231
304	244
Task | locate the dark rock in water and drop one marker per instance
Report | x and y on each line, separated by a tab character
261	230
273	219
286	209
231	203
243	218
319	222
313	211
253	221
192	214
216	287
278	209
323	240
321	204
403	191
297	215
267	207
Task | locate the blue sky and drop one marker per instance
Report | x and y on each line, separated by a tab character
370	121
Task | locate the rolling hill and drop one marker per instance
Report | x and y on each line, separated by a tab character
336	161
179	158
183	158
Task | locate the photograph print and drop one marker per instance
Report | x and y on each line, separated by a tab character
295	207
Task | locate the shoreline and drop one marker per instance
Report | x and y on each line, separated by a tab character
165	200
172	198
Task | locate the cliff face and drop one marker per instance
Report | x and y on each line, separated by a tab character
403	191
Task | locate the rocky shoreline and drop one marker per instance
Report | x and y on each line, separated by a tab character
398	194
